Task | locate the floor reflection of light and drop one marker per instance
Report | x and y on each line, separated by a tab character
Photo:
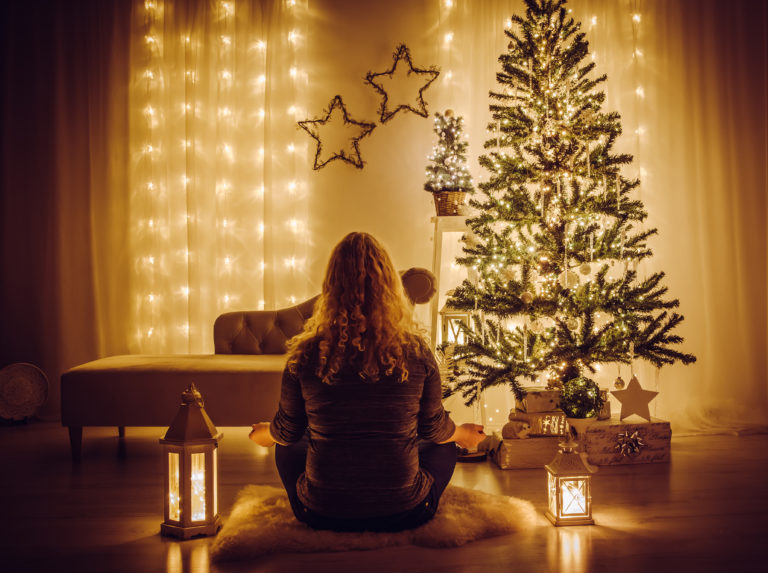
569	549
173	562
188	557
198	561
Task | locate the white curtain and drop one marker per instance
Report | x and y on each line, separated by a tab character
217	214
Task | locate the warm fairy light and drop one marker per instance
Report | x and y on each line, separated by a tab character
261	45
449	37
593	21
636	17
291	148
293	36
226	40
293	71
640	91
449	4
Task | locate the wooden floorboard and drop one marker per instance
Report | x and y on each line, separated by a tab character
704	511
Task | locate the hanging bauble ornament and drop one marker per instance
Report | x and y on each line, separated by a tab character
526	297
572	323
545	266
568	279
448	113
585	268
537	326
619	383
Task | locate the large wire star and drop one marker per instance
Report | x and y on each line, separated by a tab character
335	132
400	76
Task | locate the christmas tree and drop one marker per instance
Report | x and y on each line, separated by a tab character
552	253
448	171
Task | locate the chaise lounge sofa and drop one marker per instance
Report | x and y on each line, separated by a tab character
240	382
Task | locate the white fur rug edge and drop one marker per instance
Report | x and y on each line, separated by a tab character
261	522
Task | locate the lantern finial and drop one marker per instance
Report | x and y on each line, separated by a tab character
192	396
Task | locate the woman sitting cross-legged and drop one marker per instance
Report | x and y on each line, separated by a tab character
363	441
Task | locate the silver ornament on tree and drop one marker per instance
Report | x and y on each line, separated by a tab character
568	279
527	297
572	323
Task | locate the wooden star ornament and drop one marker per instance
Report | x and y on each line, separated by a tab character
410	80
634	400
344	133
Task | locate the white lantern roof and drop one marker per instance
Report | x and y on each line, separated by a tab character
567	463
191	424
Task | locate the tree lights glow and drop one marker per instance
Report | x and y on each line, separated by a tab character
557	235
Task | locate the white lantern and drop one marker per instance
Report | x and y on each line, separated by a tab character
570	488
451	321
191	472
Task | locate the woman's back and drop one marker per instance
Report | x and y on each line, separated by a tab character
362	458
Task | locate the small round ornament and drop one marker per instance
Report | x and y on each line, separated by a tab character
448	113
619	383
568	279
585	268
537	326
572	323
526	297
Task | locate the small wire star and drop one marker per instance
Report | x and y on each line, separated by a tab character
314	127
380	80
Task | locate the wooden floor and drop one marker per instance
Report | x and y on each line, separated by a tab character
707	510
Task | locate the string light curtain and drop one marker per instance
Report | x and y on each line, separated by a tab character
217	182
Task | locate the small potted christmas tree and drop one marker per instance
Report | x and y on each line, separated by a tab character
448	179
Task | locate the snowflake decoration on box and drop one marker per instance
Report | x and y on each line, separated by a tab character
314	127
399	73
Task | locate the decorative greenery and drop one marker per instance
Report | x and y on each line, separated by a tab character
448	171
377	81
552	253
312	127
580	398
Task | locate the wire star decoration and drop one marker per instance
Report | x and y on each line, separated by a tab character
345	147
400	75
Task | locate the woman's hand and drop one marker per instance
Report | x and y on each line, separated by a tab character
260	434
469	435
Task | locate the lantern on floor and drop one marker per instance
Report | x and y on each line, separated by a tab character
451	320
191	480
570	488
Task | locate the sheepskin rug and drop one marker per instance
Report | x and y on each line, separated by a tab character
261	522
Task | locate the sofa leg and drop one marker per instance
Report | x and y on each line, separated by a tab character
76	442
121	431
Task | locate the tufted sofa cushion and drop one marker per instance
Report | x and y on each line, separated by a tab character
259	331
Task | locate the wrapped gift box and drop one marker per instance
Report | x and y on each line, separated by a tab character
539	400
551	423
605	439
524	454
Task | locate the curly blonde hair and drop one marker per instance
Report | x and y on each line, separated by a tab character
362	317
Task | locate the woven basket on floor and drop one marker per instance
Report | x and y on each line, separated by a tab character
448	202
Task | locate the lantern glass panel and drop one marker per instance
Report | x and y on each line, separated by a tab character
198	487
455	333
574	493
552	494
215	482
174	492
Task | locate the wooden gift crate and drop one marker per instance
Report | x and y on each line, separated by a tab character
525	454
601	442
551	423
539	400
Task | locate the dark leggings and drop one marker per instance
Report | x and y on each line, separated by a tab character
438	460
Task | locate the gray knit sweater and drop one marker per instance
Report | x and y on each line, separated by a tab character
363	459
